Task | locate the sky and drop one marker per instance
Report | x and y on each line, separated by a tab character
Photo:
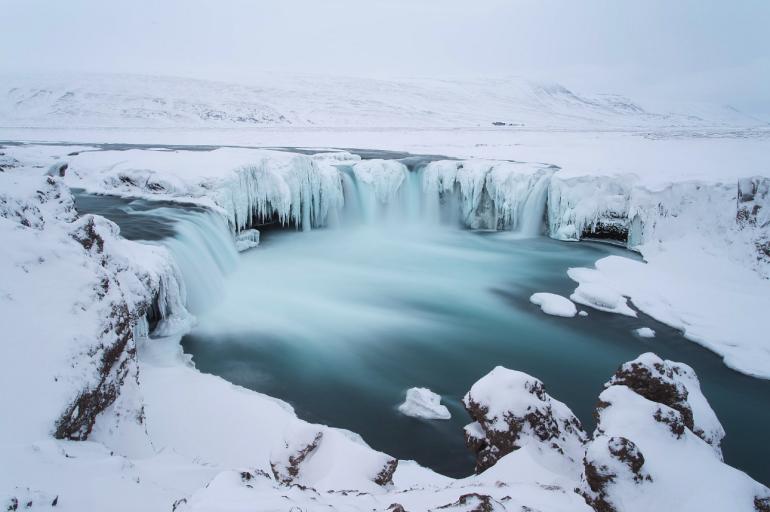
701	50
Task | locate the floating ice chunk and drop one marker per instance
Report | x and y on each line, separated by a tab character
424	403
644	332
583	313
553	304
247	239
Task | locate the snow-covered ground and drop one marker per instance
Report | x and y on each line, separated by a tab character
691	195
295	100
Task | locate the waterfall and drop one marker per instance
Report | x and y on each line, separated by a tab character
532	218
203	249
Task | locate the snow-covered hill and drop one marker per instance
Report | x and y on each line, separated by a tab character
299	100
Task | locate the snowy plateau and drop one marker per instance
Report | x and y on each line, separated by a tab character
102	410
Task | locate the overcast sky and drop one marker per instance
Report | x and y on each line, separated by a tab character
671	49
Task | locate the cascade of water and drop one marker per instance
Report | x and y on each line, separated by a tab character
532	217
204	251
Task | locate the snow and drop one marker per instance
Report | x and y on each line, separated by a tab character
644	332
714	303
234	441
425	404
553	304
597	294
98	100
685	470
676	184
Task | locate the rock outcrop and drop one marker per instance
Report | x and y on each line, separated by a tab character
676	386
657	442
511	409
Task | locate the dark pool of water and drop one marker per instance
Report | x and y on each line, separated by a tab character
341	325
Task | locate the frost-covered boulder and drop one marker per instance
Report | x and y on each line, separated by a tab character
552	304
510	410
609	460
676	386
424	403
656	444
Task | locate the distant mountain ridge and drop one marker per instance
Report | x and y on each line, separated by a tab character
101	100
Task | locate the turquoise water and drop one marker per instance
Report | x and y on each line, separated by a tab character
341	323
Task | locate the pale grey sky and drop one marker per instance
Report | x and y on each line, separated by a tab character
671	49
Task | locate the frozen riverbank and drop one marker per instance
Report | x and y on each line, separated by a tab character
174	390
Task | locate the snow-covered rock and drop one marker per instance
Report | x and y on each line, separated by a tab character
424	403
553	304
643	457
97	290
675	385
511	410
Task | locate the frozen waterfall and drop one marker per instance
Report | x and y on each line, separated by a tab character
317	191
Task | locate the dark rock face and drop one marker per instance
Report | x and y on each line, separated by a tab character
287	471
674	421
670	384
504	425
77	420
115	353
385	476
474	502
396	507
762	504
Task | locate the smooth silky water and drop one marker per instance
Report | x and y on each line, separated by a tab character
340	322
